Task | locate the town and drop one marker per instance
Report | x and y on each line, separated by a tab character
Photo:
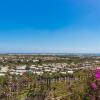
20	64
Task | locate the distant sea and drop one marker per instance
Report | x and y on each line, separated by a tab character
59	54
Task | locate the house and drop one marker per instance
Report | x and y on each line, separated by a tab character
70	72
3	70
21	70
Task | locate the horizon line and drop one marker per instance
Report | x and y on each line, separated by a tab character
50	53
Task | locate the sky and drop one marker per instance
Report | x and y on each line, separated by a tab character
50	26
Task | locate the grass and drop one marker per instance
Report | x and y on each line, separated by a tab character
60	88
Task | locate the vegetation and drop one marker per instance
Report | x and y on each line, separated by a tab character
55	86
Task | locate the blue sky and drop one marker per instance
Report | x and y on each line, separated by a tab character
50	26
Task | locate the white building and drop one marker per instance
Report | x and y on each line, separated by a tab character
20	70
3	70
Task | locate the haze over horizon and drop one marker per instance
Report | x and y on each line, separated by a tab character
47	26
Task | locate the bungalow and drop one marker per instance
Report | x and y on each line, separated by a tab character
21	70
70	72
3	70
